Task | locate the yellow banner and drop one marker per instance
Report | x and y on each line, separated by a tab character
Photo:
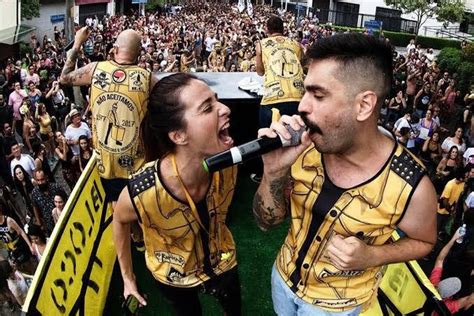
404	290
74	274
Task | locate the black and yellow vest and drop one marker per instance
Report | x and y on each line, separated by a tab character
178	250
119	98
319	209
283	71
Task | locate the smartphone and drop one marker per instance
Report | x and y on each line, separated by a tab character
130	306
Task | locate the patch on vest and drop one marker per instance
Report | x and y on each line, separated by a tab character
115	122
407	168
284	63
136	83
169	257
119	76
102	80
175	276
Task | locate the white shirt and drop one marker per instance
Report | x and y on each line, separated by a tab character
448	143
209	42
26	162
469	152
73	133
470	200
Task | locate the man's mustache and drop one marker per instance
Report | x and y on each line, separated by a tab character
311	127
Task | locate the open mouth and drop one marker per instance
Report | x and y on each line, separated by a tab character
224	135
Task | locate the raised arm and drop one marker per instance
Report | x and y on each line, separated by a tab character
83	75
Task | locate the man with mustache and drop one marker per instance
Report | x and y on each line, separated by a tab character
350	185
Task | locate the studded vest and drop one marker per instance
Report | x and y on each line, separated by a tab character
119	98
178	250
319	209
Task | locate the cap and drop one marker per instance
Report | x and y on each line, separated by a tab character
448	287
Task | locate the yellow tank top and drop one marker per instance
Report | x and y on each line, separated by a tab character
178	251
283	71
119	98
45	124
319	209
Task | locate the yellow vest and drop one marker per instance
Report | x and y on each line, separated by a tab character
178	251
319	209
283	71
119	98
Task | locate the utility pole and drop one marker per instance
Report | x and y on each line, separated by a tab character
69	21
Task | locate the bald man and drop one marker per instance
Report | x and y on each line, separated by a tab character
118	101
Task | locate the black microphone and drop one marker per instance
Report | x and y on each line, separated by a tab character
250	150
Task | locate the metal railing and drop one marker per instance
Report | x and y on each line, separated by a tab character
451	32
342	18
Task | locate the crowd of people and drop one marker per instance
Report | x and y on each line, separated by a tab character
47	126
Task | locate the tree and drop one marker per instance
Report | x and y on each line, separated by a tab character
30	9
444	10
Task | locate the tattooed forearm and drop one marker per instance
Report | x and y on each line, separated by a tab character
270	203
70	63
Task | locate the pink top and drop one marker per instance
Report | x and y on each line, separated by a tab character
16	100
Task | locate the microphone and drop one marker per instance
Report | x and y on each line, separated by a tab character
250	150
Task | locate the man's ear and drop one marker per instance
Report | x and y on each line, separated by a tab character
367	104
178	137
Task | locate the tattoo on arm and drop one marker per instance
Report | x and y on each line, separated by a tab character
70	76
271	213
70	63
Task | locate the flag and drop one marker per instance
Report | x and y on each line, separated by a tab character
249	8
74	274
241	5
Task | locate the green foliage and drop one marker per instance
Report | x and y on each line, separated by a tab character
402	39
152	5
456	61
468	52
30	9
25	49
444	10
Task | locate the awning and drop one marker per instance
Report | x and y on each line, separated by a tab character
15	34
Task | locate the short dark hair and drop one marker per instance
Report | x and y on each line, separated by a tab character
365	61
165	114
275	24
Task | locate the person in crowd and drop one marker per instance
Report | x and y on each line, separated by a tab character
41	161
76	129
60	200
6	139
43	204
334	267
396	107
425	127
24	185
65	156
28	125
24	160
6	294
422	100
448	202
19	247
449	287
85	152
15	101
17	284
279	60
117	114
38	240
185	122
454	140
431	152
34	95
58	99
446	168
46	131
